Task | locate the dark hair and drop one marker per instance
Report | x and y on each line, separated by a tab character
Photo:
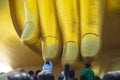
36	74
87	65
96	78
66	70
31	72
37	71
47	62
71	74
109	76
19	76
67	67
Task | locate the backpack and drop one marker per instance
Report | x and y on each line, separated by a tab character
84	77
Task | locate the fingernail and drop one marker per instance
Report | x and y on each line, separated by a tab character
90	45
30	34
50	48
71	54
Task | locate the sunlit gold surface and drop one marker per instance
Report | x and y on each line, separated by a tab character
91	24
14	53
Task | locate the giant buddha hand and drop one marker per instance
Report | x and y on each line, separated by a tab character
60	29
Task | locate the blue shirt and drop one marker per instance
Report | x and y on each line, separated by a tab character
48	67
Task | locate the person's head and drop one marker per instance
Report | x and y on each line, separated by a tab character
109	76
67	67
96	78
19	76
41	77
31	72
47	62
87	65
37	72
71	74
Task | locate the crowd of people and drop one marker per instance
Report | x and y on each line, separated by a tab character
66	74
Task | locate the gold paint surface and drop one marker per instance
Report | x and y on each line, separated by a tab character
16	54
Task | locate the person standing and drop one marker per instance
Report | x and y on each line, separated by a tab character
88	73
65	73
48	66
